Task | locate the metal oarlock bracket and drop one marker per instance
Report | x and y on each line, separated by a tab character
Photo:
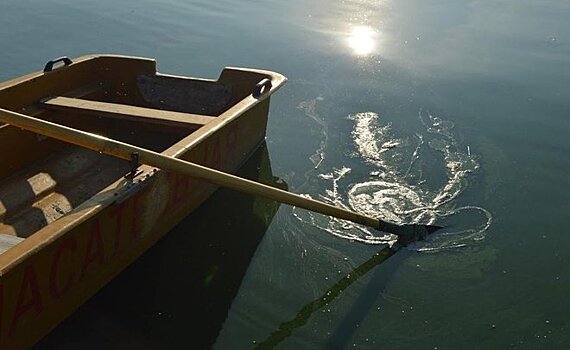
64	60
262	88
134	165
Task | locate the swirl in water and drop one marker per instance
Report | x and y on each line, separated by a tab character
401	188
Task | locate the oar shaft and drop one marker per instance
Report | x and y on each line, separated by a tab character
123	150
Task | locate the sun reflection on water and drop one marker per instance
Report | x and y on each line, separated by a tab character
363	40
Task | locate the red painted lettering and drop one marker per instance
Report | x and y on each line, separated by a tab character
138	211
95	249
29	297
57	291
117	212
181	184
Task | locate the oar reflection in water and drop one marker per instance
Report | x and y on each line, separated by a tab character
341	336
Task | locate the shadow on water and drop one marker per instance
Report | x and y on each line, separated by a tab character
179	292
366	299
349	324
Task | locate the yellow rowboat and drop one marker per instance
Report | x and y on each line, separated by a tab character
70	218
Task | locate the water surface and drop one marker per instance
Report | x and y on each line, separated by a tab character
452	111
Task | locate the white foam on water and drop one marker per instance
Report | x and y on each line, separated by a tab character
398	189
309	107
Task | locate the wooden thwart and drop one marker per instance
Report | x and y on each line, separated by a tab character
126	112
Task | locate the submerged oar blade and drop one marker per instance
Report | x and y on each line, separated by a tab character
408	233
432	228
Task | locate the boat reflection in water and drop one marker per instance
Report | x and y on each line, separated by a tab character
179	292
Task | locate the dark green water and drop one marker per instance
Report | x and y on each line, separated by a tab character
456	111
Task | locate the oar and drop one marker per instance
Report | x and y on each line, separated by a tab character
406	233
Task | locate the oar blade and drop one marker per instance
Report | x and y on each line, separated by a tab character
408	233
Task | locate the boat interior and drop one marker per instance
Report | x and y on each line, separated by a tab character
43	179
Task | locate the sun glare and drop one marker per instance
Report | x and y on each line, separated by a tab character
363	40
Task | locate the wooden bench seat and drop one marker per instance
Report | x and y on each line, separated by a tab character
127	112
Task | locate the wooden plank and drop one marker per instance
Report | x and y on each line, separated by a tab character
8	241
127	112
88	90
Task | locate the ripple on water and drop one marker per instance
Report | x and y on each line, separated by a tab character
401	193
